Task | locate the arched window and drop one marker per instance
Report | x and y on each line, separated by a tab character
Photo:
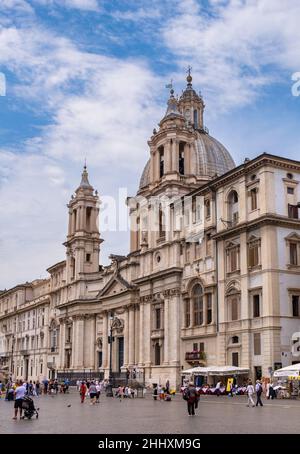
161	221
161	161
233	208
181	158
195	119
197	296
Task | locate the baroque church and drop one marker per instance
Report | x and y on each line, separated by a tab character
212	276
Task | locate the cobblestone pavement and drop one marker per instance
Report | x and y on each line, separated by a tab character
65	414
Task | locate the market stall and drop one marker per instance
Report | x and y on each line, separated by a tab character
288	381
212	374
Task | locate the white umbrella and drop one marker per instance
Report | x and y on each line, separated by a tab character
216	370
289	371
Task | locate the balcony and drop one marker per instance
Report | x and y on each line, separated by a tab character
195	357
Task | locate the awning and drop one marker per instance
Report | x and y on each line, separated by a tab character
216	370
289	371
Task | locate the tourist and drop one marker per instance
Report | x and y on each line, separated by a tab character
155	392
258	389
218	388
98	389
20	393
250	392
93	393
37	388
167	387
45	383
191	396
82	391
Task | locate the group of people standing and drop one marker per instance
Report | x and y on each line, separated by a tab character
92	389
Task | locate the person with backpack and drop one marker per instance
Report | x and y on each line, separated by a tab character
258	389
191	396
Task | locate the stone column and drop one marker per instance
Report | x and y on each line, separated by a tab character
166	331
92	342
168	153
126	338
147	333
62	339
131	335
80	343
74	342
105	353
137	340
174	330
141	346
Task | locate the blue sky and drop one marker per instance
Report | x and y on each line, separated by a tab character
86	78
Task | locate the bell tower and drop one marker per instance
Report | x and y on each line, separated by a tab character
83	239
191	105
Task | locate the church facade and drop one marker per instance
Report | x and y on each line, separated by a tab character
212	276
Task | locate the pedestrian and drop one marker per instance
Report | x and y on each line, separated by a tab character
250	392
98	389
93	393
218	388
191	395
155	392
82	391
167	387
20	393
258	389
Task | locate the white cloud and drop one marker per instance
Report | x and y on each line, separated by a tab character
99	107
238	47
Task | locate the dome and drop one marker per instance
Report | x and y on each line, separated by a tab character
211	159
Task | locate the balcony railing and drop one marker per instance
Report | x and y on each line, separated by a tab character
195	356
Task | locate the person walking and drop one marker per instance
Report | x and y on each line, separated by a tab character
258	389
250	392
82	391
20	393
191	394
218	388
167	387
93	393
98	389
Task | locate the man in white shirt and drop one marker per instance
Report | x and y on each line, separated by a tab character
250	392
20	393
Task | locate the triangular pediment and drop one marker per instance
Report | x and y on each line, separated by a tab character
293	236
117	284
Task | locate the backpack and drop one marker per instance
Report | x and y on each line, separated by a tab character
185	394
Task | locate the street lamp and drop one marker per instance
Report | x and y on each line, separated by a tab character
113	320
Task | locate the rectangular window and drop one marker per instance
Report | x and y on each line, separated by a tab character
157	318
253	255
187	313
201	347
198	312
293	211
88	218
195	347
295	305
88	257
290	190
235	359
208	245
257	344
233	261
209	308
293	254
253	194
256	306
207	208
234	309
